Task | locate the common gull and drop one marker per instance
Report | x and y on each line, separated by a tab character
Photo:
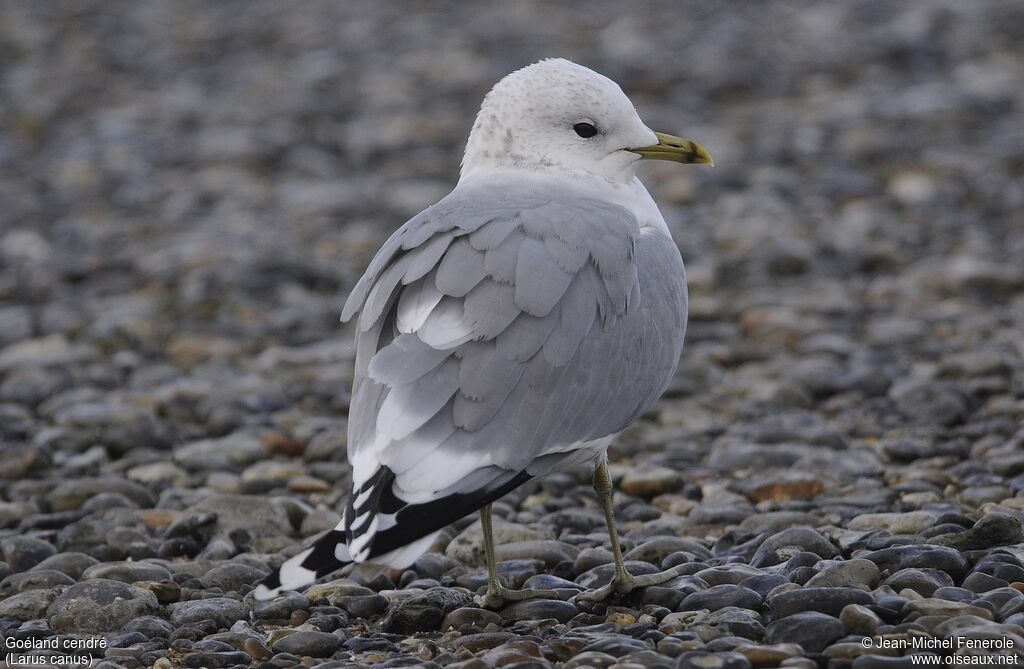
513	329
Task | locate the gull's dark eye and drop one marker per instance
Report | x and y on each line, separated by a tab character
585	130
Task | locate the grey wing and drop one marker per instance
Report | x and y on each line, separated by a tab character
493	339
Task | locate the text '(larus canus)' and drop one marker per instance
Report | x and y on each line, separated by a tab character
513	329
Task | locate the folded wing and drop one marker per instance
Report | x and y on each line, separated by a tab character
496	335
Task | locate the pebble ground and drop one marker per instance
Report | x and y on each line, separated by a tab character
190	189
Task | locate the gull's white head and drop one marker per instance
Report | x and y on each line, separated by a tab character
560	115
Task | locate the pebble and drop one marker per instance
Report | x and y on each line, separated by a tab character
100	605
648	480
475	643
994	529
249	513
923	556
979	582
922	581
469	618
910	522
721	596
468	546
940	607
233	577
28	605
699	659
812	630
307	643
547	551
280	607
616	645
127	572
149	626
930	402
762	584
769	655
221	610
589	558
215	659
72	494
423	612
32	580
591	659
656	549
859	619
24	552
362	606
539	609
728	621
780	547
601	575
830	600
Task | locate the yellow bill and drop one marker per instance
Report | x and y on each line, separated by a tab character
676	149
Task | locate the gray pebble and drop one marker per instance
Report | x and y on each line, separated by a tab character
216	659
979	582
100	605
615	645
824	600
254	515
589	558
846	573
33	580
700	659
994	529
730	621
921	556
930	402
764	583
547	551
280	607
922	581
469	618
602	574
811	629
720	596
222	610
233	576
149	626
779	547
539	609
658	548
73	494
362	606
423	612
128	572
24	552
313	644
29	605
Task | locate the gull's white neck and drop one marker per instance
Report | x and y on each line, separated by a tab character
630	194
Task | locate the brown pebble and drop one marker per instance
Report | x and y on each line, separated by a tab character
255	649
166	591
278	443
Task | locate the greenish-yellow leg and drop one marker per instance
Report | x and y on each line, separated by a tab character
622	582
498	595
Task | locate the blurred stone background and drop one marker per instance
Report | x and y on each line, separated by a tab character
188	190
